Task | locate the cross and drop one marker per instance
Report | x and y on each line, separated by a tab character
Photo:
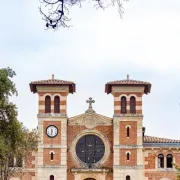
90	101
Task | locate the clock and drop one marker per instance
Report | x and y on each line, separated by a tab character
52	131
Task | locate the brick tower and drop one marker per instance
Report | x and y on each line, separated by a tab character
127	123
52	127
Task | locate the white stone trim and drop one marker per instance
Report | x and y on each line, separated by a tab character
51	152
128	98
82	176
117	107
127	146
62	98
128	126
138	107
128	152
123	95
42	107
43	97
62	107
93	132
133	95
127	107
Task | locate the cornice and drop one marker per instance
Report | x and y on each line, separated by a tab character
128	146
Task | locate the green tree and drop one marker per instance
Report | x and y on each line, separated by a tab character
16	141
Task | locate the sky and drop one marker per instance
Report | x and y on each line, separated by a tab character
99	47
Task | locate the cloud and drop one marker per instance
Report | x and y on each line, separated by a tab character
98	48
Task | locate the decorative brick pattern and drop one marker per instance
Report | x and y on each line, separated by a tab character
118	94
63	101
143	161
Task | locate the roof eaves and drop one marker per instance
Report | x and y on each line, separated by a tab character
161	145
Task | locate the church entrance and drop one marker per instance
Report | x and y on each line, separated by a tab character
89	179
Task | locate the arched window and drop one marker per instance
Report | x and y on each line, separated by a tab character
160	161
128	178
56	104
169	161
123	105
19	161
47	104
128	156
52	155
51	177
133	105
128	131
11	161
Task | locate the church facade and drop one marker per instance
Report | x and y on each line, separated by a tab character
91	146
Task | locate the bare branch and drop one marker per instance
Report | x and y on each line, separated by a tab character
58	10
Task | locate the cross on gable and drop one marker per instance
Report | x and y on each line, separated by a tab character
90	101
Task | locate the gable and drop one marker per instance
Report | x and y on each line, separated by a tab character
90	120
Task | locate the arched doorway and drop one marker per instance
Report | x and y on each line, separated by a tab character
89	179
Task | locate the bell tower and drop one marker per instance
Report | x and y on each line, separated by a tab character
52	127
127	127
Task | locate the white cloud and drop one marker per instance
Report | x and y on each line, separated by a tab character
99	47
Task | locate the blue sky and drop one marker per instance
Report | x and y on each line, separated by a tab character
100	47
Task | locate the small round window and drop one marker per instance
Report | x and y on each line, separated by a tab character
90	149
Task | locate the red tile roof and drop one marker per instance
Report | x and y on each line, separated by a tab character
152	139
127	82
51	82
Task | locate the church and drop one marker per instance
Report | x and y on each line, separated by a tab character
91	146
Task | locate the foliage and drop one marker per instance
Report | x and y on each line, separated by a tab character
178	172
15	140
56	12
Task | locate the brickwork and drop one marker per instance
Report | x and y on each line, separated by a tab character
55	140
160	175
63	101
177	158
151	158
109	176
47	157
70	176
108	132
52	93
23	176
132	139
128	112
117	94
28	171
29	161
75	130
150	161
132	158
143	160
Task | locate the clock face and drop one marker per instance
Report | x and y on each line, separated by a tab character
52	131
